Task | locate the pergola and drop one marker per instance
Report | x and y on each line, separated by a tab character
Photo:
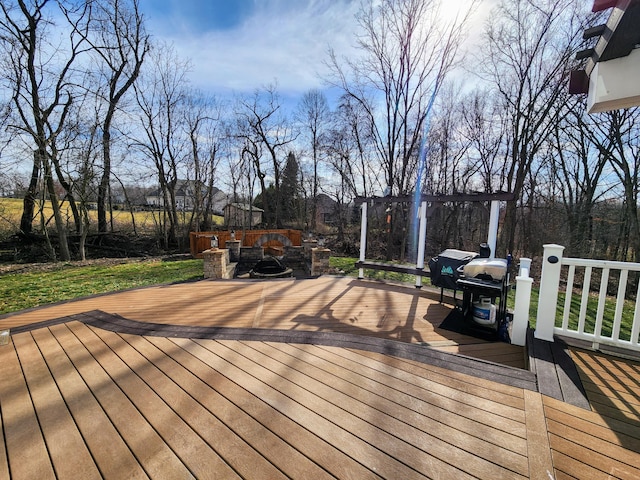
494	198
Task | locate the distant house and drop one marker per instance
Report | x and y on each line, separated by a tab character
186	194
219	201
238	215
155	198
326	210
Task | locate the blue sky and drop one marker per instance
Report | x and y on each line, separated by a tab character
200	15
240	45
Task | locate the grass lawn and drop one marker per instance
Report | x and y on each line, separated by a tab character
25	290
626	323
146	221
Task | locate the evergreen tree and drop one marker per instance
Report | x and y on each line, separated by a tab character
290	190
266	201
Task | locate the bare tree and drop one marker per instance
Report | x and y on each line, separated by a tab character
616	135
237	165
244	174
313	115
120	42
578	169
349	148
262	124
39	75
529	46
455	165
452	166
407	49
79	157
484	128
207	138
162	98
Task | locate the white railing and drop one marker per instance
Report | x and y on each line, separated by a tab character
522	303
597	318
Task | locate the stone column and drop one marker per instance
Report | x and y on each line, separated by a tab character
216	261
234	249
307	246
320	261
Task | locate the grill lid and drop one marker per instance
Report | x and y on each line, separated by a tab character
493	269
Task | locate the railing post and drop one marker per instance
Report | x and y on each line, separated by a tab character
549	285
523	302
363	237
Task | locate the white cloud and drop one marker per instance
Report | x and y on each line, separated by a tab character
283	40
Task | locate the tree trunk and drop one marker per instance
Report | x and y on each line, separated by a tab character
29	201
103	187
61	230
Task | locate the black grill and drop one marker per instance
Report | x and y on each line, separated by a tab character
445	267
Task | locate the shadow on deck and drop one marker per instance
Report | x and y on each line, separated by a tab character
324	377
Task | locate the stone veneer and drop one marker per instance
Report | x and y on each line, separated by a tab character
320	261
216	263
234	249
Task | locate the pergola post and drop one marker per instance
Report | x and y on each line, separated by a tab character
493	227
422	237
363	237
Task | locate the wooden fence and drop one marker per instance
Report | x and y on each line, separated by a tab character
201	241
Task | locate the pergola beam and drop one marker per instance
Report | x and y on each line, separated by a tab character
448	198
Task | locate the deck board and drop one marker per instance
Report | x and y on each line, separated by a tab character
539	453
188	448
511	355
25	446
58	427
407	401
293	379
226	418
612	385
620	433
308	449
354	437
107	448
193	417
436	438
461	381
586	445
139	450
588	463
455	400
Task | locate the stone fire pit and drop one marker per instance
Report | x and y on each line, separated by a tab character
270	267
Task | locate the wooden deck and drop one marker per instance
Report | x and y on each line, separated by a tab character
331	304
603	442
292	379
